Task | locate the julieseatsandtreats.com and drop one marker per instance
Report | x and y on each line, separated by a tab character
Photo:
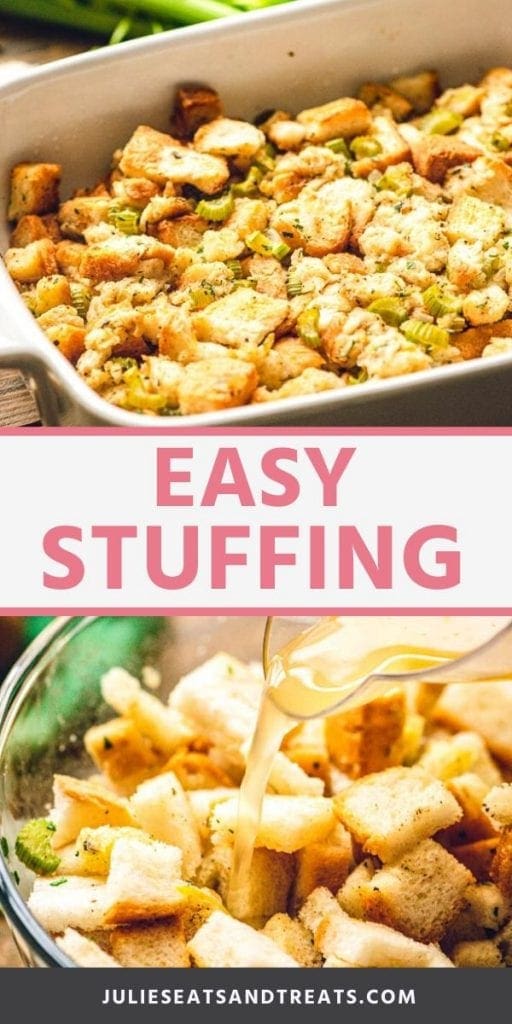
300	996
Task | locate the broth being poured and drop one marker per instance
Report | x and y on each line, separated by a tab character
334	663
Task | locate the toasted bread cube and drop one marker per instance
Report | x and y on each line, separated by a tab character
79	803
69	256
151	944
345	117
394	148
194	106
486	709
50	292
121	256
293	938
464	100
202	802
92	851
390	811
420	894
84	951
434	155
181	232
221	699
197	770
498	805
362	943
285	133
34	189
376	94
306	745
243	317
487	906
478	857
456	755
122	753
160	806
82	212
143	881
224	942
324	864
501	868
469	791
228	138
420	90
289	778
36	260
267	887
218	383
77	903
159	157
363	740
351	897
471	344
287	823
480	953
321	219
68	338
164	727
30	228
473	220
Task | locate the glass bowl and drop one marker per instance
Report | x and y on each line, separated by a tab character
49	700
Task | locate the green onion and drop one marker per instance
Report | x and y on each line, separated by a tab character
438	302
268	243
249	186
428	335
124	218
390	309
500	142
441	121
293	284
364	146
338	146
216	209
307	326
80	297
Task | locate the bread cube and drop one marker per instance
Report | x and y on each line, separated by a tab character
345	117
391	811
221	699
420	894
150	944
202	802
91	853
501	867
143	881
159	157
363	739
486	709
480	953
362	943
229	138
224	942
265	891
463	753
434	155
498	805
30	228
420	90
122	753
244	317
325	864
36	260
84	951
161	808
294	939
164	727
474	220
34	189
287	822
78	903
469	791
79	803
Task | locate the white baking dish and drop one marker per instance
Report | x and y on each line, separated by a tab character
78	110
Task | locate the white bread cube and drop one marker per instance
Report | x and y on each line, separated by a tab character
82	803
486	709
150	944
166	729
143	882
457	755
351	896
288	778
122	754
287	823
160	806
498	805
91	853
203	801
266	890
221	698
391	811
84	951
294	939
361	943
224	942
419	895
76	903
479	953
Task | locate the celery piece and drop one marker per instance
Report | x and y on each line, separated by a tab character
500	142
293	284
249	186
124	218
307	326
81	297
390	309
441	121
33	847
338	146
438	302
428	335
268	243
217	209
365	146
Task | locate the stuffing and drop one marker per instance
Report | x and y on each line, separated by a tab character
243	318
345	117
228	138
159	157
34	189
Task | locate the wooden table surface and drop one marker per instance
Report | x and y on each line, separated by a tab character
22	45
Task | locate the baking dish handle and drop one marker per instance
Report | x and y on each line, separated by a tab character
14	356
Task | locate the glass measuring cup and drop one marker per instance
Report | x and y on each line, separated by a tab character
340	661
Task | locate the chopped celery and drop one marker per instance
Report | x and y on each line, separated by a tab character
307	326
428	335
439	302
124	218
217	209
365	146
202	296
500	142
81	297
441	121
338	146
293	284
33	847
236	269
397	179
249	186
265	160
268	243
390	309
